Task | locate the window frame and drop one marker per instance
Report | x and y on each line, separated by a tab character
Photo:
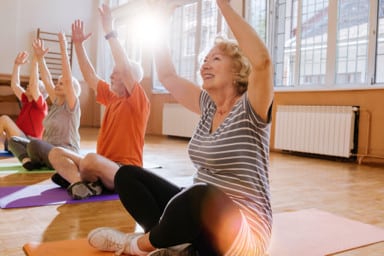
330	73
271	40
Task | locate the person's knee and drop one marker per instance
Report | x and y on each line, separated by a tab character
125	173
89	161
4	119
198	190
55	154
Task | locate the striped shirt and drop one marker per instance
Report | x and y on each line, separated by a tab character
235	158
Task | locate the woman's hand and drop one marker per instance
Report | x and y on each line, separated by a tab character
38	48
78	32
21	58
106	18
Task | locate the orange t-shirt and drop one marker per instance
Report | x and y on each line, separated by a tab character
122	132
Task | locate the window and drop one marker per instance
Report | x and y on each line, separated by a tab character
116	3
256	15
309	51
194	27
285	41
313	34
314	43
352	42
380	43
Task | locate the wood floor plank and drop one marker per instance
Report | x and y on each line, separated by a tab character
347	189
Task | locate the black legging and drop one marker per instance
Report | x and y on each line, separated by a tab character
173	215
37	150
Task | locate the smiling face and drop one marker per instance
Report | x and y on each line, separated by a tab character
217	70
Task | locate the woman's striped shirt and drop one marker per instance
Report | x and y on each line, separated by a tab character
235	158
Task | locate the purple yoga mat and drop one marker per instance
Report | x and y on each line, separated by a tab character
39	195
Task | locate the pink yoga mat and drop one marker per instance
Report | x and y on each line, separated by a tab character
39	195
312	232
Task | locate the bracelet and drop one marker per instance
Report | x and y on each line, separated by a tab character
111	34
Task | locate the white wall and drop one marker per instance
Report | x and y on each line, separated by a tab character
19	20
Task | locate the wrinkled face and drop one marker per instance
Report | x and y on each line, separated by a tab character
117	85
217	70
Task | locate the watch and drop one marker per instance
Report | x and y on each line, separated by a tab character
111	34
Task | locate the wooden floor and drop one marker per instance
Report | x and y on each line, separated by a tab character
347	189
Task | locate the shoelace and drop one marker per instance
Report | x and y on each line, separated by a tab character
111	243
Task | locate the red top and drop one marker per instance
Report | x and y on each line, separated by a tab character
32	113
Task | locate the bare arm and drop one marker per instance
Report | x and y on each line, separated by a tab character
33	85
20	59
184	91
70	94
40	51
78	38
260	84
122	63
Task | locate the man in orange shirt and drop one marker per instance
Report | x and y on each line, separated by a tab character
121	137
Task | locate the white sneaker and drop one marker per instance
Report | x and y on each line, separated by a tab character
112	240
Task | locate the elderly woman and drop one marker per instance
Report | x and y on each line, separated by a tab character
61	125
227	210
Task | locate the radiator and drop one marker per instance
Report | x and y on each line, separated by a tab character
321	130
178	121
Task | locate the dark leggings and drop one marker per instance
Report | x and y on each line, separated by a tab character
37	150
171	214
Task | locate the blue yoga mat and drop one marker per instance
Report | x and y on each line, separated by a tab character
4	153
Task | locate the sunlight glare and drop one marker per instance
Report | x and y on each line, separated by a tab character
149	28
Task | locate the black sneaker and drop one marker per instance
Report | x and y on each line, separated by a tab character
31	166
59	180
6	145
82	190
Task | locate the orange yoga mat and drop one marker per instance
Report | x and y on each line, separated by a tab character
78	247
309	232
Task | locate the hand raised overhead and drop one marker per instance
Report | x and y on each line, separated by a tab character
78	32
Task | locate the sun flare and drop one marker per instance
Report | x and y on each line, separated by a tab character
148	28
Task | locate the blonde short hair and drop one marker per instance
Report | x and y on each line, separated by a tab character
75	84
241	65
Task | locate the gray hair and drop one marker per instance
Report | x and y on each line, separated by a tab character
136	71
75	84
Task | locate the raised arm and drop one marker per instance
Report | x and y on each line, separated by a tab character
260	84
20	59
184	91
78	39
40	51
33	86
122	64
70	94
